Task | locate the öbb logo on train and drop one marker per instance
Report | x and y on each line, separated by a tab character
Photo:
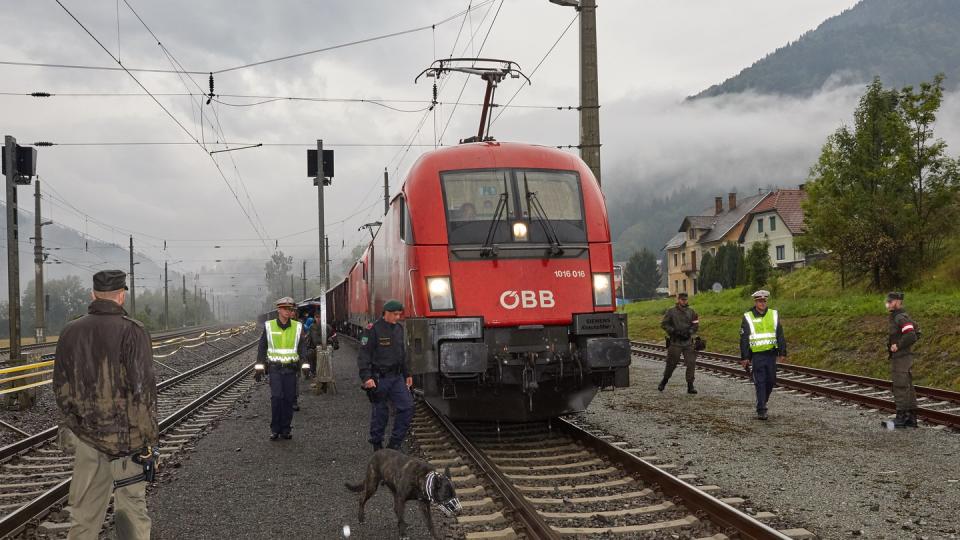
527	299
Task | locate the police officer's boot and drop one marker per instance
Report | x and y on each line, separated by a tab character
911	420
663	384
901	420
691	389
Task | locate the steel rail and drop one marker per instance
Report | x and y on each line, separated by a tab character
931	415
719	512
523	511
13	522
159	335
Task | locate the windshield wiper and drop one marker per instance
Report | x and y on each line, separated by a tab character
534	203
488	249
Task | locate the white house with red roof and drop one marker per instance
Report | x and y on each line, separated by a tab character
778	219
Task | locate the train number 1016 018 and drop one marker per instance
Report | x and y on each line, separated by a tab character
570	273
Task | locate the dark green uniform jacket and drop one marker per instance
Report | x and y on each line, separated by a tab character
680	324
104	382
382	351
903	332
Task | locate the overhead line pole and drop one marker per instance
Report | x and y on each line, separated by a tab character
183	292
133	284
303	277
40	322
320	181
589	88
386	191
326	273
166	299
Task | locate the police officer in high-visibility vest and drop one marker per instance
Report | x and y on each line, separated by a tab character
382	362
762	344
280	357
903	333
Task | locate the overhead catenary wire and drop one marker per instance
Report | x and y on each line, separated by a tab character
167	111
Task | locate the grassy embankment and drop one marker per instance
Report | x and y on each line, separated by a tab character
829	328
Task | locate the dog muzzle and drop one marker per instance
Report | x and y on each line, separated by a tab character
450	508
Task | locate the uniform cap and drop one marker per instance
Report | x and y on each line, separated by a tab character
393	305
682	295
761	294
110	280
286	301
894	296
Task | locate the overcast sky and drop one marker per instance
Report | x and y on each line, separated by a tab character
651	55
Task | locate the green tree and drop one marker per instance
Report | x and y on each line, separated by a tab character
934	177
69	299
641	276
859	193
708	271
277	271
758	266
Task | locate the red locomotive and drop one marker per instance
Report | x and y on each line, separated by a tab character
501	255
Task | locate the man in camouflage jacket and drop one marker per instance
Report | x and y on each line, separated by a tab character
105	387
902	335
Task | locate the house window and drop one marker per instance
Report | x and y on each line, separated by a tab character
684	285
683	257
676	285
760	226
692	234
773	223
781	252
675	263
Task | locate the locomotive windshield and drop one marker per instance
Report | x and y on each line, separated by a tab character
513	206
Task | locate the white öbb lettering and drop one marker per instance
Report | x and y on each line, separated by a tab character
527	299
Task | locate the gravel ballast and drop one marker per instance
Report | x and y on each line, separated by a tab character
817	464
236	483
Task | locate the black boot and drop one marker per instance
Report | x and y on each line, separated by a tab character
393	445
663	384
911	419
901	420
691	389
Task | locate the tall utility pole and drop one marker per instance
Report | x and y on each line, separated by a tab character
320	181
38	266
326	272
166	299
133	284
292	292
589	88
303	276
196	301
183	292
386	192
13	242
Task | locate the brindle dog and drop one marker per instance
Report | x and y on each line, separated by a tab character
409	479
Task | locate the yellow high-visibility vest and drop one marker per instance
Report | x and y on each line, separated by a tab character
763	330
282	343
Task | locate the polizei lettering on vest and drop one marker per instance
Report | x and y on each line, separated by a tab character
527	299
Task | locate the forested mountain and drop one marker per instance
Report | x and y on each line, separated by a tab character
903	42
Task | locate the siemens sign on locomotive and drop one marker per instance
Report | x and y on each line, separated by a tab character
501	255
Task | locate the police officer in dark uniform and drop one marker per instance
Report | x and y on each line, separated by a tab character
901	337
680	323
279	356
106	389
382	362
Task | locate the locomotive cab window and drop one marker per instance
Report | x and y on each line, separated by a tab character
406	227
547	205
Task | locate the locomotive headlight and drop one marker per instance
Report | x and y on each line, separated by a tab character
602	292
441	295
520	231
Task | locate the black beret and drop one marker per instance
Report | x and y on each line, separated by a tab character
894	296
110	280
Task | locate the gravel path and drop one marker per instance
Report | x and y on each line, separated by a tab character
238	484
815	463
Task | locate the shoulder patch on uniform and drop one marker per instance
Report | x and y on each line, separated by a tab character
134	321
369	326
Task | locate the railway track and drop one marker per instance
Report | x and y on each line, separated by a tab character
35	474
45	350
937	406
548	480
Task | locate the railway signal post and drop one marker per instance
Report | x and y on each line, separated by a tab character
320	167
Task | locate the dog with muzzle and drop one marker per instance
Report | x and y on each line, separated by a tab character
410	479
